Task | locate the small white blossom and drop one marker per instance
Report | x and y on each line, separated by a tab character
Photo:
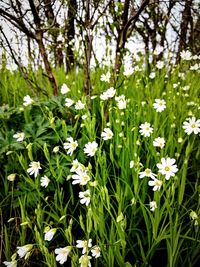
50	234
23	250
167	167
147	173
152	75
96	251
81	177
77	166
11	177
12	263
191	125
70	146
109	93
131	164
79	105
84	244
146	129
90	148
34	168
85	197
64	89
159	142
44	181
153	205
159	105
107	134
158	50
186	55
105	77
121	101
27	100
84	260
19	136
155	183
160	64
62	254
69	102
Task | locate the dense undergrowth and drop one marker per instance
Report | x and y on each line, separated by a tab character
118	171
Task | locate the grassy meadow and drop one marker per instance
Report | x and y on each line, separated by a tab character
106	180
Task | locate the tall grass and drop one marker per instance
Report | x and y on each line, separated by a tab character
118	218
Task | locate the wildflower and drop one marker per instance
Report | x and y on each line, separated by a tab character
128	70
69	102
79	105
71	145
84	244
44	181
107	134
159	142
121	101
85	197
34	168
155	183
152	75
147	173
96	251
167	167
49	234
160	64
56	149
153	205
131	164
64	89
12	263
105	77
159	105
19	136
84	260
146	129
81	177
22	251
158	50
27	100
11	177
108	94
186	55
191	125
76	166
90	148
62	254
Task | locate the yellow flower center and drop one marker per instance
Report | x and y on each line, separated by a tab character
167	168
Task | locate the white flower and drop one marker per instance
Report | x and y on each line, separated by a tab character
79	105
44	181
85	197
77	166
153	205
34	168
69	102
10	263
84	244
71	145
107	134
155	183
64	89
186	55
160	64
96	251
147	173
121	101
131	164
159	105
146	129
11	177
90	148
191	125
128	70
62	254
108	94
84	260
159	142
19	136
81	177
22	251
27	100
49	234
158	50
167	167
105	77
152	75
